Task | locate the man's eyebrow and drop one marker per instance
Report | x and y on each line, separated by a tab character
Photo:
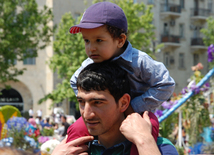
92	99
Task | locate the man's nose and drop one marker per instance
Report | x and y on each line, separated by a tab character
88	111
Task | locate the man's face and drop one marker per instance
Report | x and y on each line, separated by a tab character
99	111
99	44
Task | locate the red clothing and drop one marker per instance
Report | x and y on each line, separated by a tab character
78	129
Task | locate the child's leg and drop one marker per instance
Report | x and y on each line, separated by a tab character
155	125
76	130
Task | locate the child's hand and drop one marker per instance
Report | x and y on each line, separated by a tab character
129	110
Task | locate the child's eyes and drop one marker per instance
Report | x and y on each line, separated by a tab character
99	40
86	40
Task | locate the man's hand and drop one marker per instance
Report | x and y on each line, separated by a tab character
138	130
74	147
134	126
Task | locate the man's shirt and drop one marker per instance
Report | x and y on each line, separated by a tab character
119	149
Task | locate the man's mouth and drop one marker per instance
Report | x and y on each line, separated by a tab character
91	123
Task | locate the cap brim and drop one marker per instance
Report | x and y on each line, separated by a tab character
76	28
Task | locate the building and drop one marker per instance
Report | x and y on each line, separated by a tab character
177	22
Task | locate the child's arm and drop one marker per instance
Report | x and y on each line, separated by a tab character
73	79
161	85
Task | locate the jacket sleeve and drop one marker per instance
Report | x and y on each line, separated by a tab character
161	85
73	79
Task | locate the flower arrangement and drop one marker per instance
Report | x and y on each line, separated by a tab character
48	147
18	135
47	131
195	111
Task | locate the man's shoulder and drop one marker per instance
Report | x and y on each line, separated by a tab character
166	147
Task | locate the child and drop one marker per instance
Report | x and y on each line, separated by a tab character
104	28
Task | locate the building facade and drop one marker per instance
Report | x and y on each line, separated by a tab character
177	22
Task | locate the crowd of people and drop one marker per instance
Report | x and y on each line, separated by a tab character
58	123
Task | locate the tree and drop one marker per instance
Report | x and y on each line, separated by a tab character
23	28
209	32
70	53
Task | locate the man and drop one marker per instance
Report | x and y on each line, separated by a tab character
30	113
66	125
103	96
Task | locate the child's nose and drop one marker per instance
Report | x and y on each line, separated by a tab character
92	47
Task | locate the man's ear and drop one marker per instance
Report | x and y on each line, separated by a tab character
124	102
122	40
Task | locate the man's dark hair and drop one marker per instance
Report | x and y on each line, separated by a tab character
104	76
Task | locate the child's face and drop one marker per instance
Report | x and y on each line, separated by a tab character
99	44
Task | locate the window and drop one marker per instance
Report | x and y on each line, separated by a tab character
30	60
166	59
182	3
10	61
181	61
151	2
195	59
210	6
181	29
166	29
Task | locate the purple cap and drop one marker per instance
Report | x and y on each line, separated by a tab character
99	14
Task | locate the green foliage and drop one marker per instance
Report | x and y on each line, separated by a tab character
23	27
209	32
8	111
196	117
167	126
180	150
69	54
208	148
47	132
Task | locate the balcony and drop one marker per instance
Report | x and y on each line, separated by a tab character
170	40
171	10
198	44
200	14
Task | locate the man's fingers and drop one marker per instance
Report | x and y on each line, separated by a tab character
64	140
81	140
146	116
81	149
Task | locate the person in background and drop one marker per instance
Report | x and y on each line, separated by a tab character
30	113
47	123
39	113
66	126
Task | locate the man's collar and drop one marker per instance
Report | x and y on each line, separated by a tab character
126	146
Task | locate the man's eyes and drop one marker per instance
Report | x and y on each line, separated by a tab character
81	101
97	102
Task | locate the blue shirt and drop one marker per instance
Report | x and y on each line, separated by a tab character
150	81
